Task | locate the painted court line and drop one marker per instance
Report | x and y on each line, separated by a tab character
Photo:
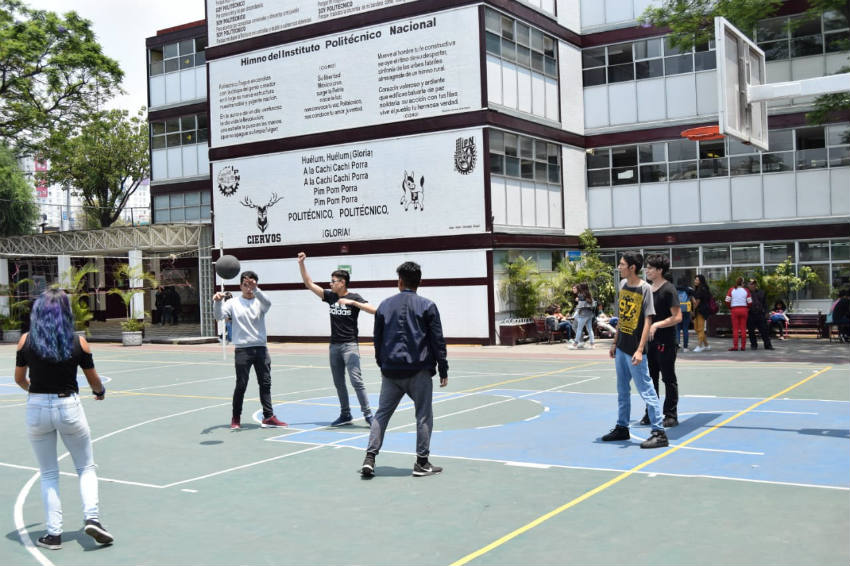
587	495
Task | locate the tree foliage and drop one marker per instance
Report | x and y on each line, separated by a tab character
691	22
105	162
521	287
589	269
18	211
780	283
52	72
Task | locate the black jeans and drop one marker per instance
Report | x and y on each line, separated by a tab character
662	358
757	321
258	357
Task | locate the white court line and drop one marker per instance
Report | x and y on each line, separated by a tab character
612	470
348	438
18	512
73	475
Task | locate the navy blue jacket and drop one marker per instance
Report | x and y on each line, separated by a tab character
409	336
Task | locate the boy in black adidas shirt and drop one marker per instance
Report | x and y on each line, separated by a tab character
344	351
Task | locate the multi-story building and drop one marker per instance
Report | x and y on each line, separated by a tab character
460	134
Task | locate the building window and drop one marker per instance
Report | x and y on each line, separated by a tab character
644	59
801	35
533	167
175	56
181	207
185	130
522	66
803	148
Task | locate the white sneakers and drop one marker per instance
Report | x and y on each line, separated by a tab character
701	349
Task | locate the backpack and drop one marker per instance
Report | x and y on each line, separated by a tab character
684	301
712	305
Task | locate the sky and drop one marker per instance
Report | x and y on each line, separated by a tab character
121	27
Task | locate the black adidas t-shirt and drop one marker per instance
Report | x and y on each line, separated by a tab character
343	317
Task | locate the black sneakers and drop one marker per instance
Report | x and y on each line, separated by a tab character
658	439
670	422
343	419
52	542
96	531
367	470
645	419
617	433
426	469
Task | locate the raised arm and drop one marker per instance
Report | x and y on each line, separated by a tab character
308	281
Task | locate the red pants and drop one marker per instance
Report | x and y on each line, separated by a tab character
739	326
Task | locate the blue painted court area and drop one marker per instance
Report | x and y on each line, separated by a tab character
785	440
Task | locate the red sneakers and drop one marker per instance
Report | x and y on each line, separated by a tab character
234	423
272	422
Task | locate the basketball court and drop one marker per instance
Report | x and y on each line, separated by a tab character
759	463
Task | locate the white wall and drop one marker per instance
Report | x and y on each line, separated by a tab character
463	309
178	87
572	97
601	14
727	200
180	162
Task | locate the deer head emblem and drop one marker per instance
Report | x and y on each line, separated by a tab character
262	211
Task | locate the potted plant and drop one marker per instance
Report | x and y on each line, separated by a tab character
132	328
11	323
521	289
76	278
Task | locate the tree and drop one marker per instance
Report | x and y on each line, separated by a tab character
52	72
124	274
105	162
691	22
18	211
521	286
589	269
780	283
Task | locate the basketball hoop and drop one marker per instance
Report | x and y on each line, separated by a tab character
703	133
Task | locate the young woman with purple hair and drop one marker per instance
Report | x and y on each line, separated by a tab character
50	353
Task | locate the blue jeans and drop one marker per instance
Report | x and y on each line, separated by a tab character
420	389
581	323
258	357
626	372
682	328
346	356
47	414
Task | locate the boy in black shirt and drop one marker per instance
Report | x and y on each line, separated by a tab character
662	337
344	349
635	310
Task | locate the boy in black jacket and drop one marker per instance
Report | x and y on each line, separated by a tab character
409	349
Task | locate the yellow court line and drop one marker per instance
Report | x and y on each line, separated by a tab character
527	527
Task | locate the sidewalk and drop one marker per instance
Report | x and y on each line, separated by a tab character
810	350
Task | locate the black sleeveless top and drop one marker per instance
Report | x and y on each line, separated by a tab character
53	377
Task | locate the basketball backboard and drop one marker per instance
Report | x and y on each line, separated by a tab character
740	64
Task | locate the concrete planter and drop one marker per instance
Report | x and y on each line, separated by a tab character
131	338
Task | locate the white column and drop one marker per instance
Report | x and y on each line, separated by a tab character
4	280
64	271
137	306
101	283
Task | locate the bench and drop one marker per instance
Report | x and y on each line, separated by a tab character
802	324
548	335
799	324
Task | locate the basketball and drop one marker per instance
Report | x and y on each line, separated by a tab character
227	267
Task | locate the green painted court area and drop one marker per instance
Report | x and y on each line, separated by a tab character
758	471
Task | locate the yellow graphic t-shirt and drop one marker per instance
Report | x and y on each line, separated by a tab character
634	304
